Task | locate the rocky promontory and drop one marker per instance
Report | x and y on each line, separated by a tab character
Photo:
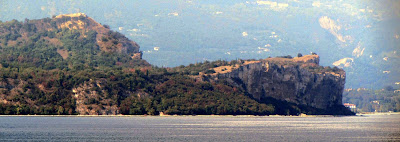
70	64
299	80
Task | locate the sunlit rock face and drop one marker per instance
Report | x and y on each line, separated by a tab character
345	62
298	80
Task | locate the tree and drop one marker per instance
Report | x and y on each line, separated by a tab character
211	71
60	110
389	88
299	55
106	26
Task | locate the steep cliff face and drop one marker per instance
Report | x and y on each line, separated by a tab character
298	80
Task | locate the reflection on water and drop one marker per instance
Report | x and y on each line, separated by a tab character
201	128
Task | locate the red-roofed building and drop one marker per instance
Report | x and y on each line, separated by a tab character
352	107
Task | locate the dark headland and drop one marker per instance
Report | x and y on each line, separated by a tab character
70	65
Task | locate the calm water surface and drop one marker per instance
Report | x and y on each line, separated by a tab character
201	128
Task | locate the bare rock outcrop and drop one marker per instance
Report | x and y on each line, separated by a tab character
299	80
92	98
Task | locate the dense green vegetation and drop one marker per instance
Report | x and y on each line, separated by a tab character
170	93
194	69
41	71
42	49
181	95
366	100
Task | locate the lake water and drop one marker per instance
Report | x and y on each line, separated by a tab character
201	128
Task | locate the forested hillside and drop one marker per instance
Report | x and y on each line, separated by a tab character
65	43
70	64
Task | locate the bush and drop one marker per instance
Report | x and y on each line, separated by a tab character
389	88
106	26
104	39
210	71
287	56
299	55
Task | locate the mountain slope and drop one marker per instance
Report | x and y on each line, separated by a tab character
65	42
70	64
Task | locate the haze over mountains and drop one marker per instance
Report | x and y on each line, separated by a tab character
362	37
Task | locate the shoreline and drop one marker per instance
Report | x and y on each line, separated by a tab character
300	116
378	113
238	116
